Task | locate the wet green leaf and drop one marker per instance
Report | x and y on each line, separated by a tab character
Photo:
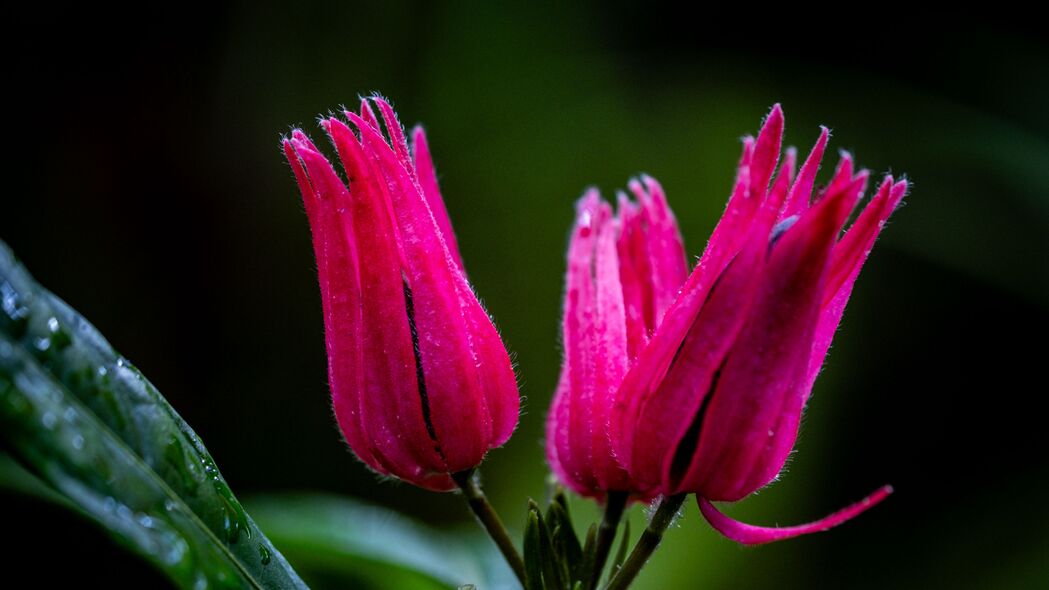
353	545
91	427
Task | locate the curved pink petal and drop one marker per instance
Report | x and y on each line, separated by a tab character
766	151
654	359
749	534
610	355
848	257
738	440
670	411
388	399
574	398
453	403
663	249
633	274
801	191
784	178
424	170
340	297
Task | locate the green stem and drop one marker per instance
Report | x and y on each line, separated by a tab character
467	482
648	542
615	503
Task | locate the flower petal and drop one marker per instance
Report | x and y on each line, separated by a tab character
655	358
610	352
663	249
669	412
766	152
848	257
749	534
424	171
389	406
574	398
454	402
801	191
335	249
738	442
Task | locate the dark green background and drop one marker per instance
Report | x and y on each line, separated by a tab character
145	186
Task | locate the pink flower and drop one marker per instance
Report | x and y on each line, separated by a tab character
711	405
421	383
622	275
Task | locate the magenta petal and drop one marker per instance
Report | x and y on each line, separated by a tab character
847	259
801	191
663	248
368	114
575	430
633	275
388	400
749	534
424	171
610	352
741	444
340	298
395	131
457	408
766	152
784	178
655	358
671	409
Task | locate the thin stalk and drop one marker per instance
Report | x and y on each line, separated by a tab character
615	503
648	542
484	512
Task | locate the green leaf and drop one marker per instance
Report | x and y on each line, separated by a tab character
94	429
565	543
621	553
353	544
533	553
552	567
586	566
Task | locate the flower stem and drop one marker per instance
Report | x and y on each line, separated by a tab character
615	502
648	542
467	482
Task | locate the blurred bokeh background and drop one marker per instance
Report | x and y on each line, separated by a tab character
145	186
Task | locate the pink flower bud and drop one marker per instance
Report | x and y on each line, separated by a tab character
421	383
622	275
712	403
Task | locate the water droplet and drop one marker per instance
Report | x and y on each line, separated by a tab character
42	344
52	324
265	554
78	442
772	433
69	415
102	371
48	420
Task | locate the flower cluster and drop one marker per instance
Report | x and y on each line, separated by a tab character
673	382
